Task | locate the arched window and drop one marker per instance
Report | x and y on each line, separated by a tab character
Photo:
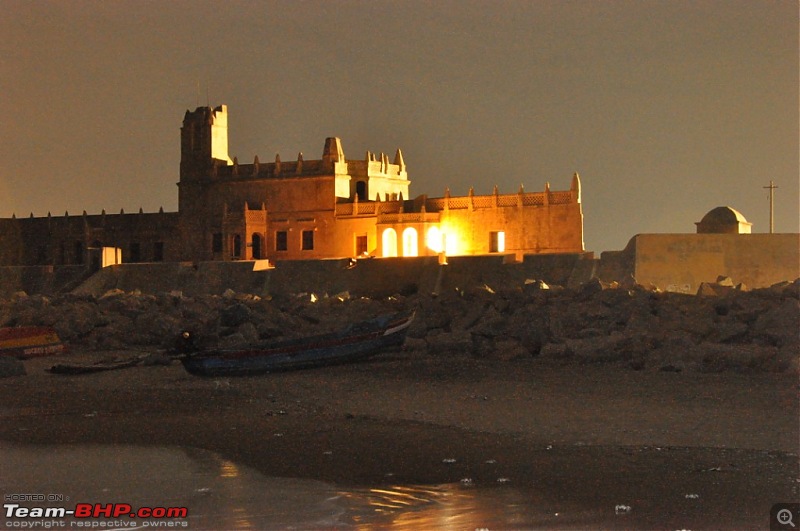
389	240
256	240
410	246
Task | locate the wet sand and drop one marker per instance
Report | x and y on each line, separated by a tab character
681	449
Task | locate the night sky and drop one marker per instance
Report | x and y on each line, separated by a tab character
666	109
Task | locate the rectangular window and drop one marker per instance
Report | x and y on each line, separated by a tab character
136	252
361	245
497	242
78	253
308	240
158	252
216	242
281	241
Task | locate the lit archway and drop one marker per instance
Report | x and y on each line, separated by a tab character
389	241
410	246
434	239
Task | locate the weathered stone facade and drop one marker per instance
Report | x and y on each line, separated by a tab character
301	209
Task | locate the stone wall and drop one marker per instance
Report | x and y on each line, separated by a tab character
671	262
681	262
40	279
369	277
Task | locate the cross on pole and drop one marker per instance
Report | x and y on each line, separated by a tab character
771	189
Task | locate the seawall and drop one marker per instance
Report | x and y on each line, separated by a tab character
368	277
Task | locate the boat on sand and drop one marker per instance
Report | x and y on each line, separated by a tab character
29	341
354	342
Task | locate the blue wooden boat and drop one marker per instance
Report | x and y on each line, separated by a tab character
355	342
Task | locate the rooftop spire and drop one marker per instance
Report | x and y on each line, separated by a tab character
398	160
333	151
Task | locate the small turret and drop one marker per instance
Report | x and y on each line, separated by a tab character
398	160
575	188
333	151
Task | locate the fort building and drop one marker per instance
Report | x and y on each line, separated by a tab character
331	207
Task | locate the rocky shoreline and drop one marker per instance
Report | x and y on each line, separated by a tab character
680	408
721	328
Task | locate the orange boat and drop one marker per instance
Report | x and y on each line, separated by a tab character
29	341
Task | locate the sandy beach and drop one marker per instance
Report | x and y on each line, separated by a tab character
588	436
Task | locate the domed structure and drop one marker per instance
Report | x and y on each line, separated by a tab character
723	220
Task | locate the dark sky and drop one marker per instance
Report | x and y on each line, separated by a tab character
666	109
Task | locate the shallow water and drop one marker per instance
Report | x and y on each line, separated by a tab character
220	494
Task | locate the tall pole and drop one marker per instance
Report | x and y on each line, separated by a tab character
771	188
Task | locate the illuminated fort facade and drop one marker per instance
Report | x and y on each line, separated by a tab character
331	207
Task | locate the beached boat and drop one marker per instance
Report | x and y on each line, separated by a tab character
355	342
29	341
99	366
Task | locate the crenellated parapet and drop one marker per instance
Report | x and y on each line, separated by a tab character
497	200
333	163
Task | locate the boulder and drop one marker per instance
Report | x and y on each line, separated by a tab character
779	325
598	349
492	324
724	281
676	350
249	332
718	357
728	332
509	349
593	286
234	315
450	342
707	289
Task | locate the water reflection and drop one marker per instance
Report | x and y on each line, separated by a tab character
218	493
221	494
455	506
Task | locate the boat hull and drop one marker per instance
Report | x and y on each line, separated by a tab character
29	341
355	343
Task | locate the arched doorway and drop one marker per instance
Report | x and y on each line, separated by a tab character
389	241
256	244
410	244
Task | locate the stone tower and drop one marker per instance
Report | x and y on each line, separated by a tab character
204	148
204	140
